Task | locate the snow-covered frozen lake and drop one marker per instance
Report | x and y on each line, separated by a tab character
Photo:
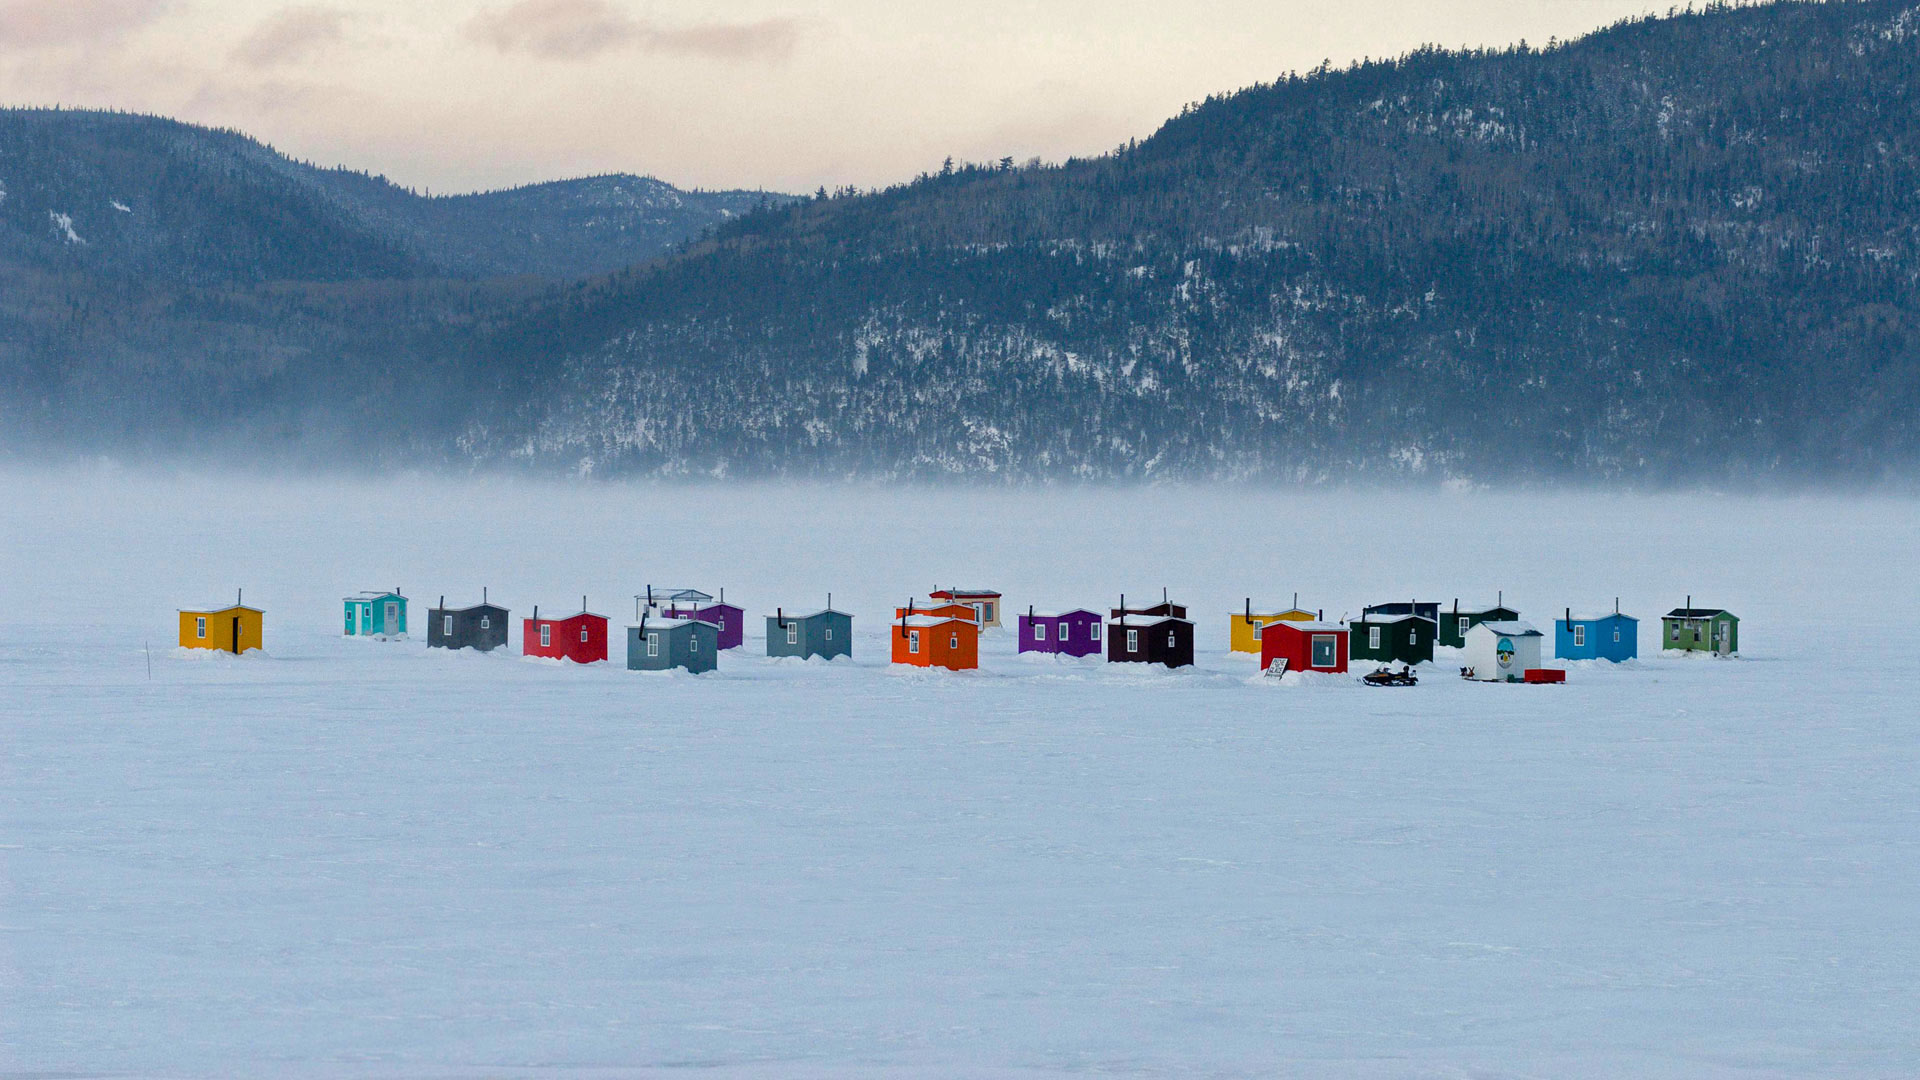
360	859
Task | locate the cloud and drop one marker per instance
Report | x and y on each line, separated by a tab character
583	29
73	22
292	36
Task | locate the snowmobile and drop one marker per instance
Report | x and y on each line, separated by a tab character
1389	677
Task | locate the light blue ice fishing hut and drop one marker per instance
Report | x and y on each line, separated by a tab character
1612	636
825	634
377	614
666	644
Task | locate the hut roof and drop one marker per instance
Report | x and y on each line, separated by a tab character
925	621
219	609
1586	616
1696	613
1062	614
1378	617
1510	629
1135	619
1309	627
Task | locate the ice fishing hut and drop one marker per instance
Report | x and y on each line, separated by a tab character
984	602
1243	631
943	609
1305	646
1389	637
231	628
931	641
826	633
694	604
1455	623
667	644
1065	633
1164	607
377	615
482	626
1612	636
1150	639
581	638
1692	629
1502	651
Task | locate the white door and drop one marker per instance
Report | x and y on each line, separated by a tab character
393	618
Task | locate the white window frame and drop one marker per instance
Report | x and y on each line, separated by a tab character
546	635
913	642
1096	632
1580	636
486	622
693	643
583	635
1173	639
953	642
1466	624
793	633
1133	641
829	631
1413	635
1039	631
1373	637
1313	649
200	626
446	625
1616	635
653	644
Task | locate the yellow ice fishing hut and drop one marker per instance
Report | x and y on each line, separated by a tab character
1243	636
233	628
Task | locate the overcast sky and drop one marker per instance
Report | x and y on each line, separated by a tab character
455	95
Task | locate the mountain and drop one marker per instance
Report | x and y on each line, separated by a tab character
111	192
1678	250
164	285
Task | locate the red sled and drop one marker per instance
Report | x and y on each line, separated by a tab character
1545	675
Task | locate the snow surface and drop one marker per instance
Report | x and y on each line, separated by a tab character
63	223
349	858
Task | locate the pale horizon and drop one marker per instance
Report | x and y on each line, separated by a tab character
451	96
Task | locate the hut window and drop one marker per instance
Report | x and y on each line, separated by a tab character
653	644
446	624
1133	641
1373	637
693	642
486	622
829	633
1616	635
1465	624
1039	631
913	641
546	636
1580	637
953	642
200	626
723	622
1674	630
793	633
583	634
1413	635
1096	631
1170	639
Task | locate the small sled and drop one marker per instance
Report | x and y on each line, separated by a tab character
1389	677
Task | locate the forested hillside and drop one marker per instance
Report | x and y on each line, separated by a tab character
165	285
1679	249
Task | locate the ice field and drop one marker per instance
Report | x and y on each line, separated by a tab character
347	858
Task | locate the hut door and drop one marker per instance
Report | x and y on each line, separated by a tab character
236	635
1720	637
393	618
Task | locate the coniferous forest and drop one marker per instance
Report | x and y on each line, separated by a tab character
1679	250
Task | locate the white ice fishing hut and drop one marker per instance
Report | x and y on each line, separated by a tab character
1502	651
